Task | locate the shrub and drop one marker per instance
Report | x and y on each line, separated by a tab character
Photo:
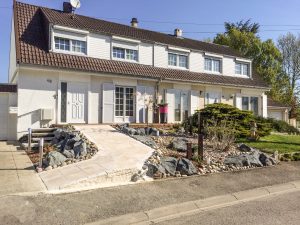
280	126
235	119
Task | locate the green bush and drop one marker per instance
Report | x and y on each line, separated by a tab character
236	119
280	126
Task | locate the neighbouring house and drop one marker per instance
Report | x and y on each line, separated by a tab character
71	68
278	111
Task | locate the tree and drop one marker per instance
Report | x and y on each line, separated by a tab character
265	55
243	26
289	45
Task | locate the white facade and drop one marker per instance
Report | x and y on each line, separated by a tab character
83	97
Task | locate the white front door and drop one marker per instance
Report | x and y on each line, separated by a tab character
76	99
213	97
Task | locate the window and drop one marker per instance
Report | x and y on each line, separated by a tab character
250	103
242	68
70	45
245	103
79	46
178	60
62	44
122	53
213	65
124	101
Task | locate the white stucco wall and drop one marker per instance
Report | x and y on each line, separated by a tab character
36	90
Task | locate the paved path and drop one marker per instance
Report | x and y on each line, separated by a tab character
118	157
16	171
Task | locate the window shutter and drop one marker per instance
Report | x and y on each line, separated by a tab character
150	92
140	104
238	101
108	96
194	102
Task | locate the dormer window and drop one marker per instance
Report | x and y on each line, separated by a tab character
242	68
178	60
68	45
212	65
127	54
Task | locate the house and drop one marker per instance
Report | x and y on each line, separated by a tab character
75	69
278	111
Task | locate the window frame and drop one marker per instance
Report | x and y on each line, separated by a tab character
71	45
126	53
178	56
242	68
212	65
250	103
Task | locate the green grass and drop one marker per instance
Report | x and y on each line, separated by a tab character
275	142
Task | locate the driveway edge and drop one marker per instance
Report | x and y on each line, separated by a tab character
191	207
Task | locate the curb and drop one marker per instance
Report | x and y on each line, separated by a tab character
188	208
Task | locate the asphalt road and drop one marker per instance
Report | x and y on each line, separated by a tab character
90	206
283	209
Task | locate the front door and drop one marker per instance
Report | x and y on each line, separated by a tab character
124	104
76	102
181	105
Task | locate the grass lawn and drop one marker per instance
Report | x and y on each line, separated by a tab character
275	142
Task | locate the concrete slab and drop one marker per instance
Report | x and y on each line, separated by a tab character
117	152
16	171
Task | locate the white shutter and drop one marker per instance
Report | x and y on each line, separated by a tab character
238	101
194	102
140	104
108	96
170	99
150	92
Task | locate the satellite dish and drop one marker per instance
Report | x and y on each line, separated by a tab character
75	4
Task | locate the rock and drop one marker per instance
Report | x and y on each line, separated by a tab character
275	156
140	131
247	159
155	170
128	130
170	164
79	149
179	144
154	132
69	153
244	148
266	160
57	133
148	130
55	158
135	177
145	140
186	167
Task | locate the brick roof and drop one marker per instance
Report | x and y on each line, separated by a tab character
8	88
31	28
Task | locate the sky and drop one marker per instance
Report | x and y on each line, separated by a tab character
199	19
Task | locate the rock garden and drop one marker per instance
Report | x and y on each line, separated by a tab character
66	146
222	152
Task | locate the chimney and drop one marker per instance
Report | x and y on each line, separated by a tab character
67	7
178	32
134	22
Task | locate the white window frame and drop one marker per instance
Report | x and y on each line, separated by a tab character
126	50
177	60
249	103
212	65
242	69
70	45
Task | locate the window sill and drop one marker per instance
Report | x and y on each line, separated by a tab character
70	52
125	60
177	67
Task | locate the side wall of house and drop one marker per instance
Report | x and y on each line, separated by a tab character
12	53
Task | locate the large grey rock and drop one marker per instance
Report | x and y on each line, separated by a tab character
266	160
55	158
247	159
186	167
170	164
58	133
154	169
244	148
69	154
80	149
128	130
180	144
140	131
145	140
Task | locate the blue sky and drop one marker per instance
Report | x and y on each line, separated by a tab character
198	19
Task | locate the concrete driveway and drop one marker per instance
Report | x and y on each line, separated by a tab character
16	171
